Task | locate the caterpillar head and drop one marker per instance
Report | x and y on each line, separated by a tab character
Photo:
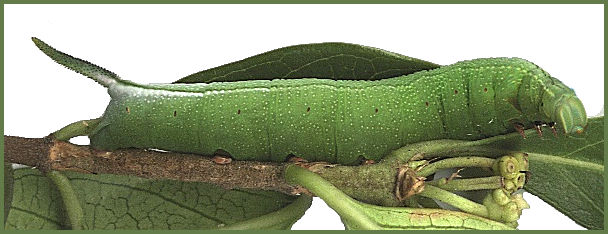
562	106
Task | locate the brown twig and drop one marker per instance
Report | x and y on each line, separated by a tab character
373	184
50	154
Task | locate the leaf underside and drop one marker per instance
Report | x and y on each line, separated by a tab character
124	202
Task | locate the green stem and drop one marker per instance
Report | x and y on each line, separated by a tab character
79	128
344	205
412	202
70	201
459	202
455	163
487	147
281	219
492	182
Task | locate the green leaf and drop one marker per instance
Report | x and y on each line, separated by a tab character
402	218
357	215
340	61
8	189
122	202
567	171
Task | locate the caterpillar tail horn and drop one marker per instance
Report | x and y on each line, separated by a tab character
97	73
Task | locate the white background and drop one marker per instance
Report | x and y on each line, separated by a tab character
161	43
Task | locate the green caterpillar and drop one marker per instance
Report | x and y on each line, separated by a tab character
339	121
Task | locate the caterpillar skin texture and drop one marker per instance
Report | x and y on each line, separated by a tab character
339	121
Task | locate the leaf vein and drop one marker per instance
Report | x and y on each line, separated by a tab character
584	147
584	195
39	216
158	195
